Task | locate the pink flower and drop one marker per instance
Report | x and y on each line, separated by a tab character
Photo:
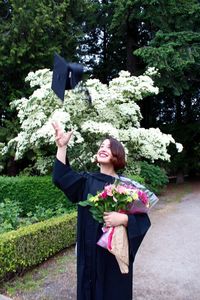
143	197
108	190
121	189
103	195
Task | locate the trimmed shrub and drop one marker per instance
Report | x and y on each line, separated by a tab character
155	177
137	178
30	245
151	176
31	192
9	215
10	212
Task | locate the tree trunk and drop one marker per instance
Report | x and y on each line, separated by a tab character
132	45
178	110
146	106
188	106
180	177
12	167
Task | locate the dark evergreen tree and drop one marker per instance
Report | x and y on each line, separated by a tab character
31	31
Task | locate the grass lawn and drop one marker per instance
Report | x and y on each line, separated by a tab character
37	278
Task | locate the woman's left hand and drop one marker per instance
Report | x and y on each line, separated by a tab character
113	219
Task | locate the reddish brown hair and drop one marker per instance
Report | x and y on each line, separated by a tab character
118	153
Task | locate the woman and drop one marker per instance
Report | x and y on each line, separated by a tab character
98	273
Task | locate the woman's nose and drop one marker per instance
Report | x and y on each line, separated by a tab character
104	148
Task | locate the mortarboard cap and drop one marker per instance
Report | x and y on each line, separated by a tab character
65	76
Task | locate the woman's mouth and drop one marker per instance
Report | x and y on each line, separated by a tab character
103	154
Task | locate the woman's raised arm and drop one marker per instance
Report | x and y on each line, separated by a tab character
62	139
64	177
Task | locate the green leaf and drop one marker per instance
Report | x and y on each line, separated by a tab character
84	203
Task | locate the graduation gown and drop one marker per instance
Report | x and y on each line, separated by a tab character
98	273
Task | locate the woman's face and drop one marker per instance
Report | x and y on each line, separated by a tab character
104	154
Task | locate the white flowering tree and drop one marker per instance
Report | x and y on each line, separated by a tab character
114	111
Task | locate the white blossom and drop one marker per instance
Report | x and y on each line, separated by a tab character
151	71
103	128
179	147
113	111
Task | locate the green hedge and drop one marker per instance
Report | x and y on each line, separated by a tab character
155	177
33	244
32	191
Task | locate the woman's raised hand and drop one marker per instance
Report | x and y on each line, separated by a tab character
61	137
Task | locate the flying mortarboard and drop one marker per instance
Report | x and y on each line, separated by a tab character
65	76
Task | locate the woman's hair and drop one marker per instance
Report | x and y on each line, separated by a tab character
118	153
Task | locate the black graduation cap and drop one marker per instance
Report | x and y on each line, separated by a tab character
65	75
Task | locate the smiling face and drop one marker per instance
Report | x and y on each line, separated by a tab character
104	154
111	153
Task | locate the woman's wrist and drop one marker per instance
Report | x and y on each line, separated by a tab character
62	148
61	154
125	220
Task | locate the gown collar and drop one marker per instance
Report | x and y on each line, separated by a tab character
104	177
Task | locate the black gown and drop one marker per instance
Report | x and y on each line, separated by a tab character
98	273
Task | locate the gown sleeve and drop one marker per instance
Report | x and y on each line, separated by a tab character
138	224
70	182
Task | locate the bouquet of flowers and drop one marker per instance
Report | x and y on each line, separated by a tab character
121	197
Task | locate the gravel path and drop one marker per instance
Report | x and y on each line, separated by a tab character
167	267
168	264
